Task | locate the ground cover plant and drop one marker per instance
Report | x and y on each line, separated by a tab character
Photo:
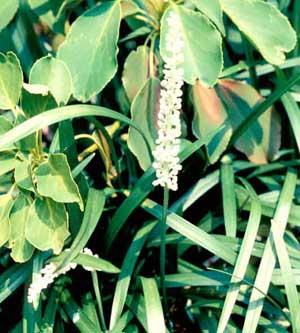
149	155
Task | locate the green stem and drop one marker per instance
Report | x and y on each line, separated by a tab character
163	248
250	62
99	300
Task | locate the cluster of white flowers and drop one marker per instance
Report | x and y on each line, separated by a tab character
166	160
47	275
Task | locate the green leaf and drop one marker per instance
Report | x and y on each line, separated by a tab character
213	11
127	268
47	10
243	257
257	19
36	99
59	114
93	210
47	225
95	263
5	125
54	180
228	196
6	203
8	10
132	78
261	108
7	162
268	261
54	74
11	81
23	174
154	311
144	112
288	276
209	114
203	60
92	41
22	250
12	278
77	315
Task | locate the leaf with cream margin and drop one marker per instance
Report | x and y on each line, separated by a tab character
47	225
202	45
54	74
8	10
90	49
11	81
133	79
22	250
262	140
212	9
144	111
268	29
6	203
54	180
210	114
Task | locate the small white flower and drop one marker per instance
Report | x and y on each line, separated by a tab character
89	252
166	161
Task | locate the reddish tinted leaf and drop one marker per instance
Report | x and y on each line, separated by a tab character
136	71
262	140
209	115
229	104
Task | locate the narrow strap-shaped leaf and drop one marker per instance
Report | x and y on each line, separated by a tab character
267	264
56	115
127	270
192	232
228	196
288	277
12	278
154	311
77	316
262	107
243	257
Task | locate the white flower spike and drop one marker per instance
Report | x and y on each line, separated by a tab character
47	275
166	160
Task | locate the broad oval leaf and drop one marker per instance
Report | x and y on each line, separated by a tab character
11	80
54	74
8	10
90	49
22	250
6	203
202	46
262	140
36	99
136	71
23	173
54	180
7	162
47	225
264	25
212	9
144	111
210	114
